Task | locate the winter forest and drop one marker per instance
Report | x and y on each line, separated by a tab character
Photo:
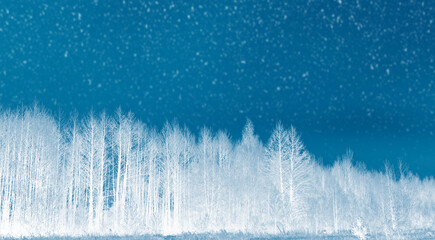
114	175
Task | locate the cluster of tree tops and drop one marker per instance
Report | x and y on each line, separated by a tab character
114	175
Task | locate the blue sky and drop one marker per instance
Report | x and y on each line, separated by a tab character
346	74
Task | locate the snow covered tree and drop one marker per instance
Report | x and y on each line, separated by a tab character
172	153
153	163
299	178
101	170
73	172
122	150
206	154
277	167
289	169
249	154
277	155
224	179
90	166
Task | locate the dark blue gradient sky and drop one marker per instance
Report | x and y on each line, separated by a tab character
347	74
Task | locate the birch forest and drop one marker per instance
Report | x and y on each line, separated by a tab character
113	175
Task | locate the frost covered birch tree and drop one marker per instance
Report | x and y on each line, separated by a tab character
299	177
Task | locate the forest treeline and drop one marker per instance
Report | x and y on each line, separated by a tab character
114	175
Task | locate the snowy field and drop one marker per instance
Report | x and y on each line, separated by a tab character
230	236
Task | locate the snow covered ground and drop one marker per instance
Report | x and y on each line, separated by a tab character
230	236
